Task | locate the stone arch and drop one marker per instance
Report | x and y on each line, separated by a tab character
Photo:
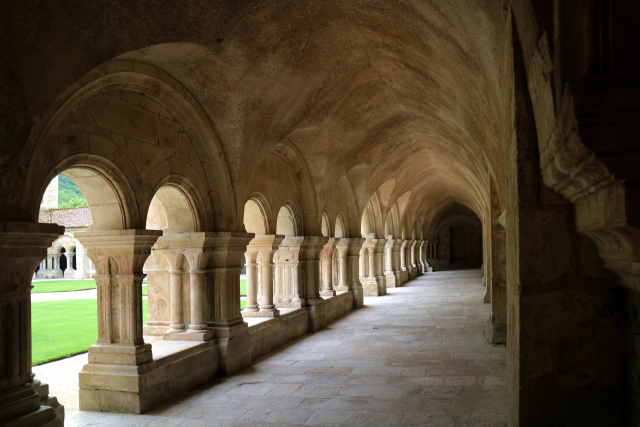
325	227
288	222
291	156
257	215
163	89
110	197
175	208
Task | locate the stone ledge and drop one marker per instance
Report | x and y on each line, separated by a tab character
177	366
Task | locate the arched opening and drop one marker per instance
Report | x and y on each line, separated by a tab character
340	227
171	211
326	225
287	223
256	218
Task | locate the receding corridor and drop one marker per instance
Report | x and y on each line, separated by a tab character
414	357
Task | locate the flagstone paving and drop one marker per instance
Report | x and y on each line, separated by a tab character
415	357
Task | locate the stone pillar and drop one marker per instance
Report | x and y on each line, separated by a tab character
23	401
350	247
343	280
496	271
119	257
404	270
80	260
175	285
311	252
413	265
381	279
372	261
252	283
198	292
390	277
364	253
368	278
225	319
70	272
266	246
327	268
397	243
288	286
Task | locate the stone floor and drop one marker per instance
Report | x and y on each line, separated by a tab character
414	357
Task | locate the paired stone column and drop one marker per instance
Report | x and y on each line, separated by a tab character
119	257
369	281
70	272
351	247
23	400
413	261
252	283
289	282
343	269
265	247
326	260
397	245
311	252
224	316
390	277
404	268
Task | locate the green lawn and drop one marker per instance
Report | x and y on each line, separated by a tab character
64	328
79	285
62	285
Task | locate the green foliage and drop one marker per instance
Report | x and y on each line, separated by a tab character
69	195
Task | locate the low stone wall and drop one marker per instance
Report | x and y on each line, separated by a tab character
275	332
337	306
177	367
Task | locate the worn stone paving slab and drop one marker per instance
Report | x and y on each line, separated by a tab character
415	357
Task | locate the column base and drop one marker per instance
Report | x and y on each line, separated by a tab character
370	286
496	334
382	285
44	416
234	348
196	335
391	280
69	274
316	310
358	298
330	293
119	354
46	400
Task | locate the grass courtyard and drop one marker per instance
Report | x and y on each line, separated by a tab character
63	328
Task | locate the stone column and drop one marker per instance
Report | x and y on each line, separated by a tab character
414	258
351	249
22	246
372	261
80	260
390	277
175	285
70	271
404	270
266	246
342	248
311	252
327	268
288	286
119	257
198	292
364	253
225	319
397	243
379	266
252	282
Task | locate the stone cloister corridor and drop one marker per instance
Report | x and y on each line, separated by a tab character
255	170
417	356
